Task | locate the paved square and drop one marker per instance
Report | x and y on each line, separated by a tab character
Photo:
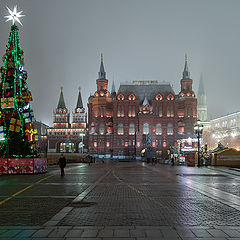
121	200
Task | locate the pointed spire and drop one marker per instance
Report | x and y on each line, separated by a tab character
186	73
145	101
79	101
113	88
201	90
61	102
101	73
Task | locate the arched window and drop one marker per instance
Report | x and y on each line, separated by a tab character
120	97
170	97
170	129
189	112
131	129
158	129
181	128
233	123
120	111
131	111
120	129
101	129
158	111
92	131
170	111
145	128
131	97
102	111
159	97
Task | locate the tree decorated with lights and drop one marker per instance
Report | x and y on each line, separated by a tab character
17	134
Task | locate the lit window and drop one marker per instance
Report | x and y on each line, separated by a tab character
181	129
145	128
159	111
170	97
170	111
189	112
120	111
159	129
95	144
233	123
120	97
132	97
102	112
131	129
131	111
120	129
92	130
170	129
159	97
101	129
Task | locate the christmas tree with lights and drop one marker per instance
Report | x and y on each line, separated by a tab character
17	134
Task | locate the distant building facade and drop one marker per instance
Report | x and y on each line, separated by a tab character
140	115
224	130
64	136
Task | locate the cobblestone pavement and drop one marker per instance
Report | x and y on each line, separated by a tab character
37	204
121	200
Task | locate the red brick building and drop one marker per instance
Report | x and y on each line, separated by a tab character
140	115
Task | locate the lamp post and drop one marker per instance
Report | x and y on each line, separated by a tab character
198	130
82	135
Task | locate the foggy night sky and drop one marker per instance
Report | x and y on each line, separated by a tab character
140	40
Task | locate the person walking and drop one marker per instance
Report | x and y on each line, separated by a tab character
62	164
89	159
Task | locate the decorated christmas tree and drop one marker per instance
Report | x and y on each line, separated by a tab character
17	134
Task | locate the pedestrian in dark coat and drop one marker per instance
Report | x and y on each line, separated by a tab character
62	164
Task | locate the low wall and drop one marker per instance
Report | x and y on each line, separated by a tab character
23	165
70	157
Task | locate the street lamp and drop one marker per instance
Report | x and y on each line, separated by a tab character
82	135
198	130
